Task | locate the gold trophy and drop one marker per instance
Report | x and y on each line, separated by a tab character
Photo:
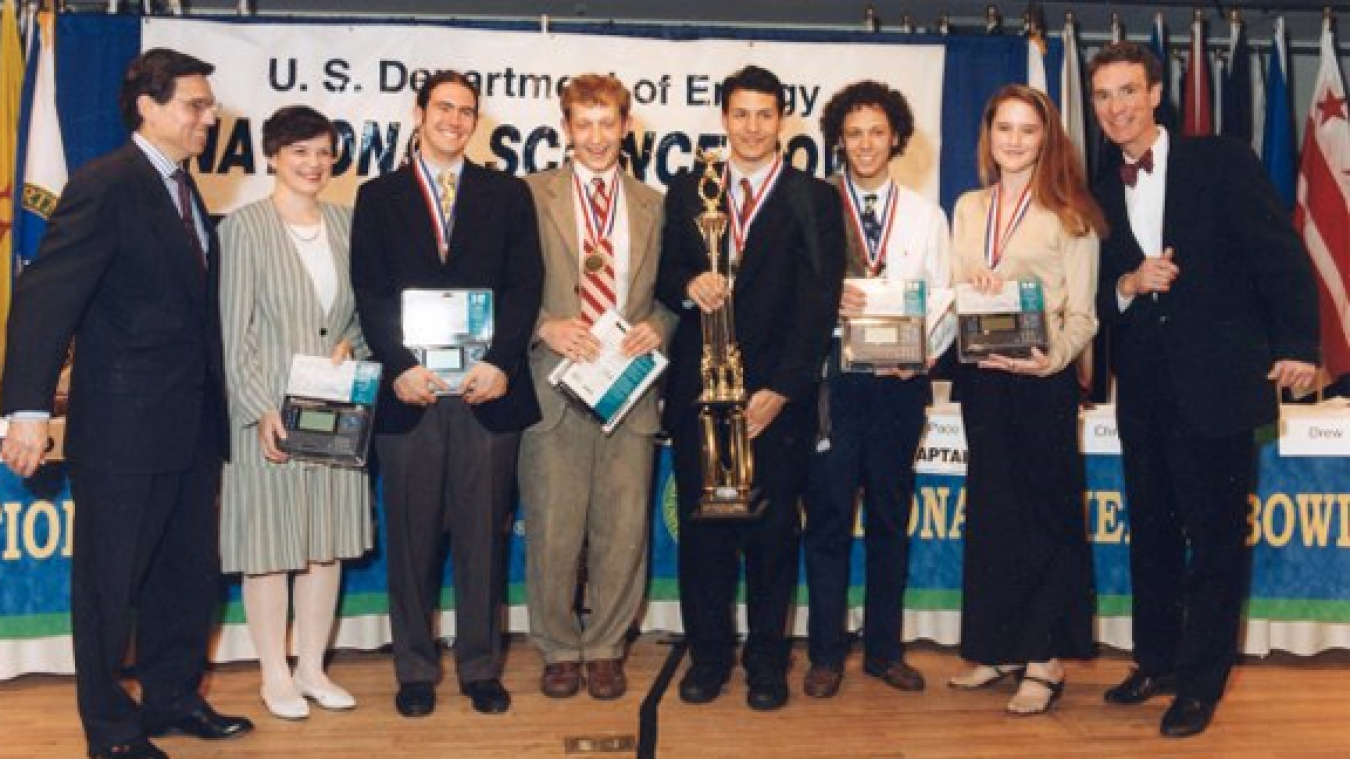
728	461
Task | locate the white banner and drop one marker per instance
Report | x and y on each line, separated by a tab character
364	77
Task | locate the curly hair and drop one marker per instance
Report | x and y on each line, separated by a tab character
866	94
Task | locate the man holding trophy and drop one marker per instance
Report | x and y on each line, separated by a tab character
758	308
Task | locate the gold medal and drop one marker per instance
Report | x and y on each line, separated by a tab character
595	262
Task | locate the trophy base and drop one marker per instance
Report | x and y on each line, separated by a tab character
730	503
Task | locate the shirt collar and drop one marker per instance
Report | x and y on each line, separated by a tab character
1159	148
455	167
585	175
756	177
165	165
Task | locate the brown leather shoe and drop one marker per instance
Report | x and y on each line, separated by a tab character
561	679
896	674
605	680
822	681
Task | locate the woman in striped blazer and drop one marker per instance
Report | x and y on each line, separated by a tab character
285	290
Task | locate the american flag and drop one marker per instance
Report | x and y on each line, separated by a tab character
1323	211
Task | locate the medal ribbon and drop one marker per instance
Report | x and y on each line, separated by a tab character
595	237
740	228
427	181
598	289
875	255
993	243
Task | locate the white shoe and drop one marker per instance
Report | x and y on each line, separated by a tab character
326	694
288	706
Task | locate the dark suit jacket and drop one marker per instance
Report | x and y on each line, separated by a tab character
1244	299
786	294
494	244
118	273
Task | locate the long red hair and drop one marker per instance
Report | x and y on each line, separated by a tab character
1058	183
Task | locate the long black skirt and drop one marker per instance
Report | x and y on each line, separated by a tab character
1027	587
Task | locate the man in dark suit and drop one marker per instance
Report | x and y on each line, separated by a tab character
448	462
129	270
786	245
1212	307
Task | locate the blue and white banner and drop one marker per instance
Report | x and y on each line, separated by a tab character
365	77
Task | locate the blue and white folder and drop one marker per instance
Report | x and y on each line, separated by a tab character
610	385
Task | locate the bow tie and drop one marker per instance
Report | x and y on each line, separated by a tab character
1129	172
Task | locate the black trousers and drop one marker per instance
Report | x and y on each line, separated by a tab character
1190	567
447	474
874	428
710	551
146	557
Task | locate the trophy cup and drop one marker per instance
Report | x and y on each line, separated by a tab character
728	461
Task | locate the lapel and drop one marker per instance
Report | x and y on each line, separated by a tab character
560	210
1180	174
471	197
340	245
1112	198
641	230
409	202
294	275
166	223
760	239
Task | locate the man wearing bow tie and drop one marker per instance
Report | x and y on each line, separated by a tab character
1212	308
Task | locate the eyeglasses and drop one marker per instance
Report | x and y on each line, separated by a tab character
199	106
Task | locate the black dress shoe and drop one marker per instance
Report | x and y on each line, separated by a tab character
137	749
767	691
1139	687
488	696
1187	716
703	683
203	722
415	699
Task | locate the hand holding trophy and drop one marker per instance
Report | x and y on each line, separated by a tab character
728	461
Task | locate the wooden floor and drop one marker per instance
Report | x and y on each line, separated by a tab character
1278	707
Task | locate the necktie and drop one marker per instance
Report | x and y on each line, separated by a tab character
747	199
600	203
870	224
598	289
185	213
446	180
1129	172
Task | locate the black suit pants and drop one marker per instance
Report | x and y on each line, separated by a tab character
146	556
1189	562
448	474
710	551
875	426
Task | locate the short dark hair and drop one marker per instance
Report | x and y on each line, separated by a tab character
155	73
865	94
754	79
445	76
293	124
1128	52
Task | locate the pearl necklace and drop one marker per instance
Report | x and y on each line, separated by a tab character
292	228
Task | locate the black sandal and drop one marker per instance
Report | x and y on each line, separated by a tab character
1055	689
